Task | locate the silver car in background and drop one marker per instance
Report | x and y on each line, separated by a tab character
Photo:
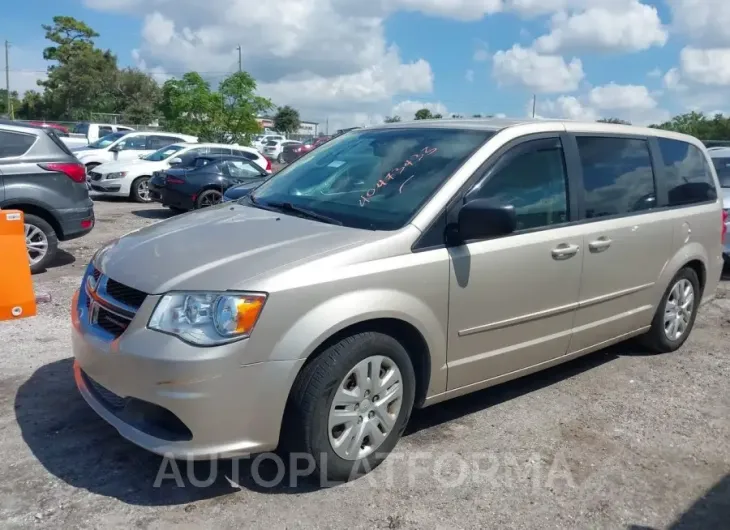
721	161
395	267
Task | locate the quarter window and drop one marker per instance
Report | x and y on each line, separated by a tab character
15	144
722	167
617	176
689	180
533	179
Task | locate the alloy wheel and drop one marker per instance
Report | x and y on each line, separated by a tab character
36	243
678	309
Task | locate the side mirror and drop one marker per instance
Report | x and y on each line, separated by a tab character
115	149
176	161
483	219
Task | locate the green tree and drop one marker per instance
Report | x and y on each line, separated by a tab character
424	114
699	125
14	102
81	79
190	106
137	97
437	116
32	107
614	120
287	120
392	119
476	115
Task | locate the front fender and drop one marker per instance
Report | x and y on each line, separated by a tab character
340	312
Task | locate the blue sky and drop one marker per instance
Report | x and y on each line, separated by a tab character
353	62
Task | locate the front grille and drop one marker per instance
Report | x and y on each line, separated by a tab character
126	295
111	322
106	396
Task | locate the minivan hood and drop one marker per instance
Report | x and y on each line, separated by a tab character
219	248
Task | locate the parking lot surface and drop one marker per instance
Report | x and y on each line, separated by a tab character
617	439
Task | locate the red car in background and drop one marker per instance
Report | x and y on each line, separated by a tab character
63	131
292	152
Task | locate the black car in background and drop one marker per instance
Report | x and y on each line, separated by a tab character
203	182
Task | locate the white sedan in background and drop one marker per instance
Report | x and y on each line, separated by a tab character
273	149
130	178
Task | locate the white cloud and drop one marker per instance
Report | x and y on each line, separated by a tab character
407	109
540	73
469	76
633	103
705	22
622	97
706	66
655	73
623	26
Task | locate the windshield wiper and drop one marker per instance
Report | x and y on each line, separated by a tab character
304	212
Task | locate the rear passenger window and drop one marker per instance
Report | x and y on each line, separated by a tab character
104	130
722	168
244	154
532	178
617	176
14	143
689	180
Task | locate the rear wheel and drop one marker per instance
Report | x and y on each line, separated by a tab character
141	190
676	313
208	198
41	242
280	158
349	406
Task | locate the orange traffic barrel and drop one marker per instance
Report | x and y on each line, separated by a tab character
17	299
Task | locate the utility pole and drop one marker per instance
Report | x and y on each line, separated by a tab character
7	81
534	104
240	63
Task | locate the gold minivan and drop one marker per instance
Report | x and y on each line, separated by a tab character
395	267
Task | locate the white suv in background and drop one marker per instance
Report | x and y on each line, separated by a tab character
260	141
129	178
274	148
125	146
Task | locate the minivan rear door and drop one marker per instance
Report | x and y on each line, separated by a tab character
627	244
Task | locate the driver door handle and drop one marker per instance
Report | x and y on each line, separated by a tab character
600	244
565	251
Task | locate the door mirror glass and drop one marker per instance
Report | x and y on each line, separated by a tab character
484	218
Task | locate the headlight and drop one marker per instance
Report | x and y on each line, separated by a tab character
207	319
119	175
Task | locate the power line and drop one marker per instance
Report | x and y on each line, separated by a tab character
8	103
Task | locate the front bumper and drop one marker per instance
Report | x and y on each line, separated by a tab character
175	399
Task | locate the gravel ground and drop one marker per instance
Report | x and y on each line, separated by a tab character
617	439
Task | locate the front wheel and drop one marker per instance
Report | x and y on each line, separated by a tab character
350	405
141	190
280	158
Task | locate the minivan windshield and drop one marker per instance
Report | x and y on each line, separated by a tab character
106	141
722	167
372	179
164	153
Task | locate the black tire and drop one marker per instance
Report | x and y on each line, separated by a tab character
656	339
306	422
214	196
280	158
51	238
137	190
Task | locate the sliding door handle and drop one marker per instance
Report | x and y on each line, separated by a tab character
600	244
